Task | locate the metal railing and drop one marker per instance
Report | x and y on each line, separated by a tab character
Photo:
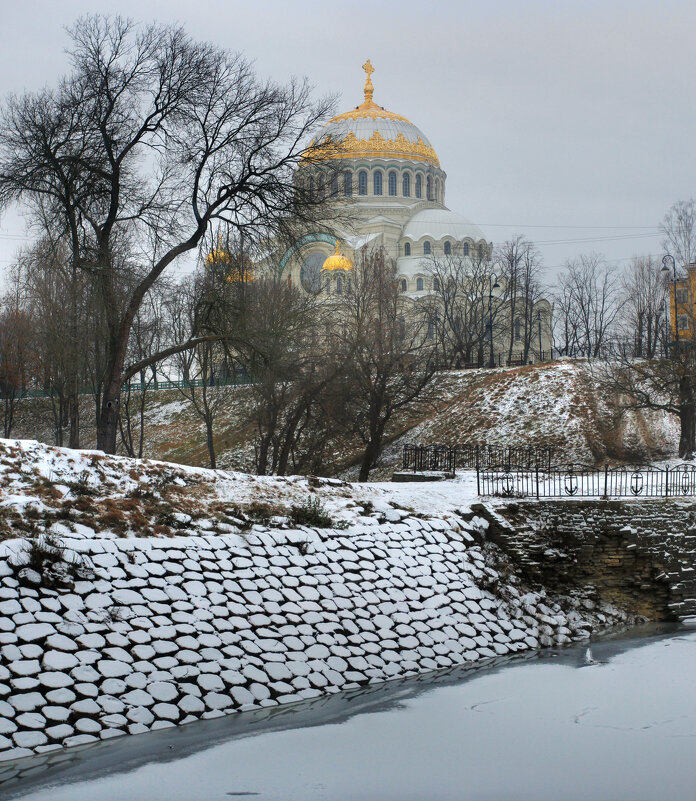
138	386
438	457
586	481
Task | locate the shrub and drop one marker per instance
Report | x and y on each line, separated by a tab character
311	513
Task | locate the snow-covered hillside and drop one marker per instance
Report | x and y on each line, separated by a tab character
558	405
68	492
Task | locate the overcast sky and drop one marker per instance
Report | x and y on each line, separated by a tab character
570	122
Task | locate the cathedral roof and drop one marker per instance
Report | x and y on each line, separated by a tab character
370	131
439	224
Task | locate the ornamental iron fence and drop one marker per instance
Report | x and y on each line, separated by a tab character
586	481
449	458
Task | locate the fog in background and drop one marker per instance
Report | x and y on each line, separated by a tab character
572	123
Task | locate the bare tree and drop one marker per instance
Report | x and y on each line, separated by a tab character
518	263
151	139
389	359
147	337
458	302
17	357
643	318
679	229
588	301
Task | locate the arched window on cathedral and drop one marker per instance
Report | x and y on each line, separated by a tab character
402	328
419	185
407	249
426	248
347	183
311	187
436	284
448	248
392	184
432	325
339	285
419	284
377	188
429	188
321	186
437	189
406	185
362	182
518	329
334	184
480	251
465	248
404	285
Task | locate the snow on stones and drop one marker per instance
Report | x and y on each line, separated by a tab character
210	625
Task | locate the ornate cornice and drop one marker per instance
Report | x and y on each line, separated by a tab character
374	147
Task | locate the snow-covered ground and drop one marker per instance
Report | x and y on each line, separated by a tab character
137	595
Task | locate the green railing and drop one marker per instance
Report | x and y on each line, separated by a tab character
148	386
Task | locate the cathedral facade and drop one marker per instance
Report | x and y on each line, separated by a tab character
391	174
387	173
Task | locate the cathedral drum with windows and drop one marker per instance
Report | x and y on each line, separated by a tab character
388	170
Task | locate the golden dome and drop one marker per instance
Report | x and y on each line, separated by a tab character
337	262
370	131
236	269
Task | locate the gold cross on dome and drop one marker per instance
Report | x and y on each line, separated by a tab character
369	88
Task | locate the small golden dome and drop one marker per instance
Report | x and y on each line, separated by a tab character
337	262
237	268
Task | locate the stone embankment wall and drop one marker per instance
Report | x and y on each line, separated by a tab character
639	555
166	631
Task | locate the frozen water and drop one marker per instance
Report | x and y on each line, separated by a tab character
543	727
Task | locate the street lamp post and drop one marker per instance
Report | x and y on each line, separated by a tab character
668	261
491	286
539	322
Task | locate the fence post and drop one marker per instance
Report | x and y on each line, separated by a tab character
536	467
606	479
478	477
666	481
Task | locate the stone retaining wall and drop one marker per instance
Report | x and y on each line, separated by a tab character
640	555
166	631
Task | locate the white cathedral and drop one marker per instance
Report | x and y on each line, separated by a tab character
392	175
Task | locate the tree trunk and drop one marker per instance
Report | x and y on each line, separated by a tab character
209	441
370	455
687	418
108	415
74	413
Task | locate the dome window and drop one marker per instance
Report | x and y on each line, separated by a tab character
377	189
334	184
429	188
407	249
448	248
419	186
362	182
419	284
347	184
404	285
392	184
339	285
480	251
437	189
426	248
465	249
406	185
